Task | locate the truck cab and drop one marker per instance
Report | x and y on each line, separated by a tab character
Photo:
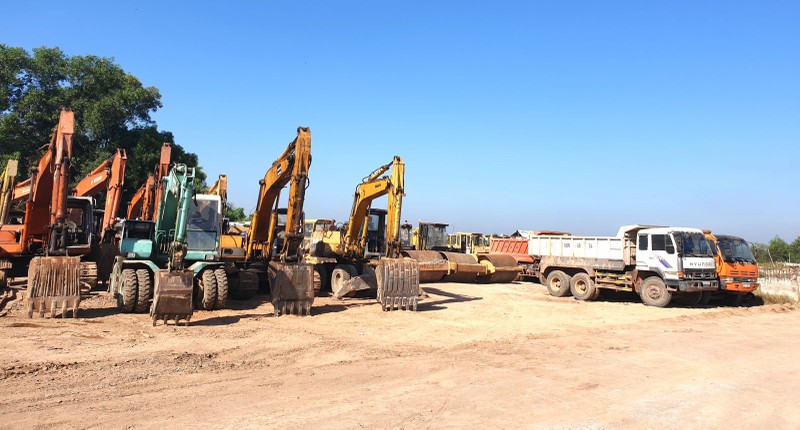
681	256
737	268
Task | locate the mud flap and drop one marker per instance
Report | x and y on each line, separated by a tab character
53	286
173	296
292	287
398	283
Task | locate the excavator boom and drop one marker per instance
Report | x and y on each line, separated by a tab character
291	282
7	189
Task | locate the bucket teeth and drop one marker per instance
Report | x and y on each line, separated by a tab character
176	319
53	286
290	307
398	287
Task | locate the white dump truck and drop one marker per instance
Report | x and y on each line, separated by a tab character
656	262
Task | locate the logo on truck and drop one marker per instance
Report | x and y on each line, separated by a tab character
664	262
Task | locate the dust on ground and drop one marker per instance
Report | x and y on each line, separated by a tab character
473	356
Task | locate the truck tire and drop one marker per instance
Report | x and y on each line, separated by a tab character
582	287
655	293
126	299
691	299
705	297
558	283
733	299
222	288
144	290
206	294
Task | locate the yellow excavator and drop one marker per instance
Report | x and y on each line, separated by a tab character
291	281
458	258
356	263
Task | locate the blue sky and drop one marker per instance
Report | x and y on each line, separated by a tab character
564	115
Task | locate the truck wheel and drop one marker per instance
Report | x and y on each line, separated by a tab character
222	288
206	293
144	291
582	287
655	293
126	299
705	298
558	283
691	299
733	299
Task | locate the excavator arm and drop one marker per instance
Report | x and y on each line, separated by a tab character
290	168
108	176
372	187
7	189
144	203
291	282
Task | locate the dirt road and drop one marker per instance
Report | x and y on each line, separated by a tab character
497	356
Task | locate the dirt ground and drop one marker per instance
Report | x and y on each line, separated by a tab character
496	356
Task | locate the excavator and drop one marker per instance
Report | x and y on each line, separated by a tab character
290	280
156	255
109	176
348	259
143	204
7	189
55	231
430	245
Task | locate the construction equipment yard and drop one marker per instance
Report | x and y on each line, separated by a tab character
506	354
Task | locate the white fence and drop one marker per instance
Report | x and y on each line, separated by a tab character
781	281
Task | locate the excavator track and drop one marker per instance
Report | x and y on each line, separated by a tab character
398	283
53	286
500	268
173	296
432	265
292	287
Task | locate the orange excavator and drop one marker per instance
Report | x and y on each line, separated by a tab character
55	232
291	282
109	176
143	204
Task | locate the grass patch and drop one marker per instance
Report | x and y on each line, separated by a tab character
775	299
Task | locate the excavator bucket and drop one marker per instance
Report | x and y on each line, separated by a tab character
398	283
432	265
292	287
173	296
463	267
500	268
53	286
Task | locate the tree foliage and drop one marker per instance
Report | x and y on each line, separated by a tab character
777	250
236	214
112	110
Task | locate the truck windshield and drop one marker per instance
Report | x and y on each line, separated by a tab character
693	244
735	250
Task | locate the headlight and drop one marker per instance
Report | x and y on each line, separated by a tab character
131	255
210	257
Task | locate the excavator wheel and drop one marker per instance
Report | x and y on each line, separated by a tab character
144	290
3	279
222	288
206	291
126	300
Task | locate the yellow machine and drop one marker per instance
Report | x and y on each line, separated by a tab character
7	189
357	263
459	257
291	282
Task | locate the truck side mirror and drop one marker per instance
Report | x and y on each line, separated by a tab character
670	248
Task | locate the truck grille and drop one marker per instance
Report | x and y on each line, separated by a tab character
743	273
700	274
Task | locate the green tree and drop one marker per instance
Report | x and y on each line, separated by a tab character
112	110
235	213
779	249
